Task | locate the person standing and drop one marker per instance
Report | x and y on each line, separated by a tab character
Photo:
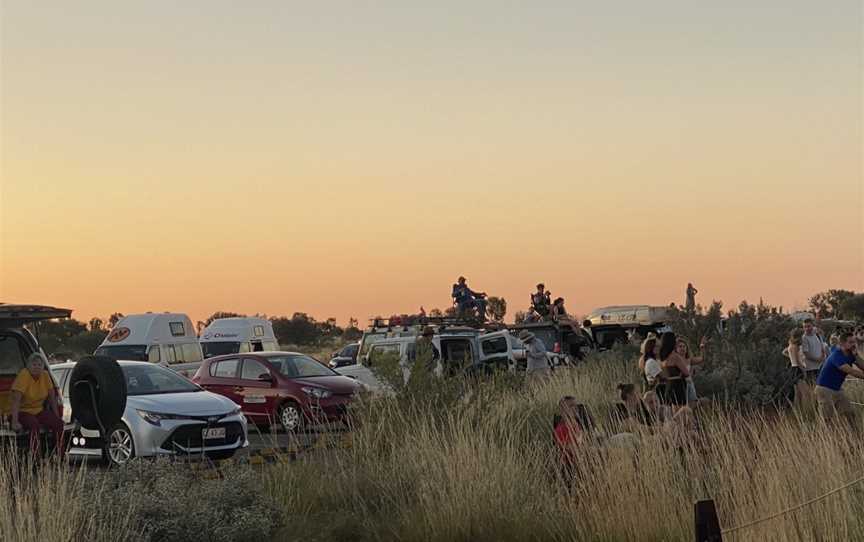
423	358
690	303
814	350
535	354
675	370
842	362
798	368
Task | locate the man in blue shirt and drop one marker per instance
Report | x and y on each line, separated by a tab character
467	300
842	362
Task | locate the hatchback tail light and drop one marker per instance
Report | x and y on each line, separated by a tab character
557	348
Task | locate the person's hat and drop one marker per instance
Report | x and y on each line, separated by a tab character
526	336
428	331
651	335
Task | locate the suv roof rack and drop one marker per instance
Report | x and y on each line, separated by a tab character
440	322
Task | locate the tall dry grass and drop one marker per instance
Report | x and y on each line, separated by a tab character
481	466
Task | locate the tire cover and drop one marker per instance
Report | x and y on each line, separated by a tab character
109	384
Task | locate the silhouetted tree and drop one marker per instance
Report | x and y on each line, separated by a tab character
829	304
497	308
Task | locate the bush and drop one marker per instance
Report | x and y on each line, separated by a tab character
172	502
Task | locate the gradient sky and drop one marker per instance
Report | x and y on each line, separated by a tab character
353	158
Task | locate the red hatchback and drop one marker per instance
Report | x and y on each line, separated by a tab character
287	387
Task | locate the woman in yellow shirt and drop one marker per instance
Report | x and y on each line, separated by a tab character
34	403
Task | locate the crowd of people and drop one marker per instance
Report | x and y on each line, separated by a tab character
472	304
668	401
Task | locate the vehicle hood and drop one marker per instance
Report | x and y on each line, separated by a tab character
197	403
341	385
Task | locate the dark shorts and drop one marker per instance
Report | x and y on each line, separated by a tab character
811	376
676	391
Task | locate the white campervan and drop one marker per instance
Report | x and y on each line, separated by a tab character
155	337
237	335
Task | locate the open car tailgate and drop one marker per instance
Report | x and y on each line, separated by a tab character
18	315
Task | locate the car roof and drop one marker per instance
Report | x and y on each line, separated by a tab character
265	353
122	363
18	315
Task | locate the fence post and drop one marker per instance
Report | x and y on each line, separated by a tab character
707	522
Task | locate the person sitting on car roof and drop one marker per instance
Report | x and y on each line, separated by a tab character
35	403
467	300
541	301
558	310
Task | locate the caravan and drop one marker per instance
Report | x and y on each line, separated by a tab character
158	338
238	335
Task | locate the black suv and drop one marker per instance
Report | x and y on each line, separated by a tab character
563	338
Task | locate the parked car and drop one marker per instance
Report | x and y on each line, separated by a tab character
238	335
462	348
346	356
165	414
623	323
167	338
286	387
16	345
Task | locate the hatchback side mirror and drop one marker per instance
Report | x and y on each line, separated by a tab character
266	377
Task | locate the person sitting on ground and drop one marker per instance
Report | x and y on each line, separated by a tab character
468	301
541	301
842	362
35	404
683	350
675	371
558	310
572	428
660	412
632	413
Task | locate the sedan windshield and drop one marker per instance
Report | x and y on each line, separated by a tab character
153	379
131	352
299	366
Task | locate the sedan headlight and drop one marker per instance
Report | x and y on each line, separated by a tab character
318	393
155	418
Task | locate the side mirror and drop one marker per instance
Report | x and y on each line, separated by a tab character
266	377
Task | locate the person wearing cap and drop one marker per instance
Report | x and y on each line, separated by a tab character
535	354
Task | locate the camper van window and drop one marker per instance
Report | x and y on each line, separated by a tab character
191	352
153	355
177	329
270	346
128	352
258	330
170	356
244	347
220	348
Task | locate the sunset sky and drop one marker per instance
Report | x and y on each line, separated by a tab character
354	158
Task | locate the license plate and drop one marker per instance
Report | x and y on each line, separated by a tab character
214	433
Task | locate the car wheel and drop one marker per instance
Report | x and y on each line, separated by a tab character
119	446
291	417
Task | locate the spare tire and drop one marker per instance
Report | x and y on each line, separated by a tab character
109	386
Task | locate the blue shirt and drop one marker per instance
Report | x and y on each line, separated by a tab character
831	376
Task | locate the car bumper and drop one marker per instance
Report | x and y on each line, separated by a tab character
330	409
171	437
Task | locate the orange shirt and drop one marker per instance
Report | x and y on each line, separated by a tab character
34	391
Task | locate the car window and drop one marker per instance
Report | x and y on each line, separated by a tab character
253	370
350	351
11	356
153	379
498	345
383	352
299	366
191	352
60	378
128	352
224	369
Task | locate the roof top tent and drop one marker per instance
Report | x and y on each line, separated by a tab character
156	337
236	335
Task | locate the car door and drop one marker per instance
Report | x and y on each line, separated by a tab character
222	378
495	350
257	389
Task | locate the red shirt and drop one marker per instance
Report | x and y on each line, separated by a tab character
567	438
